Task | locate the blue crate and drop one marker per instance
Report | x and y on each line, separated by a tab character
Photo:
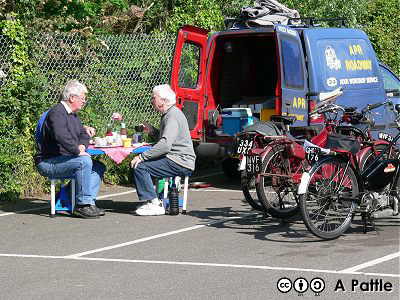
235	119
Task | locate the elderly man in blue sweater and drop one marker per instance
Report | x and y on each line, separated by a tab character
61	150
172	155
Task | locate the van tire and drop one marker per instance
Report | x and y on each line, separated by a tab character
230	168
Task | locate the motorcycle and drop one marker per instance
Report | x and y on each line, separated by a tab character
336	188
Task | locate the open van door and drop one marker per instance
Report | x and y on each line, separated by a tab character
294	83
188	75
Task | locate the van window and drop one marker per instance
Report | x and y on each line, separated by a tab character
189	66
292	64
389	81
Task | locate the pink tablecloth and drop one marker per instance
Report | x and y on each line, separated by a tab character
118	154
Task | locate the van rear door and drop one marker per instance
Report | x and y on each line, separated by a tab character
188	75
292	74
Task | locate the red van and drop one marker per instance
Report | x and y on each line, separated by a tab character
268	70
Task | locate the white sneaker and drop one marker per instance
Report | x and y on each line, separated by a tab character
156	201
150	210
143	205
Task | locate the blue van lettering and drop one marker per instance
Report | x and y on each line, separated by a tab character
282	29
357	80
358	64
372	79
292	32
299	103
331	81
298	117
356	50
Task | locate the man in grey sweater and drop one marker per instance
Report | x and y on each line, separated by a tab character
172	155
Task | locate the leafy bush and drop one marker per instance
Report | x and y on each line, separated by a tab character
20	105
380	20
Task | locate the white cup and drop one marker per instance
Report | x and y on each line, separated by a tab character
103	142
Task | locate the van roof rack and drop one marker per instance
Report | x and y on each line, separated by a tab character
313	22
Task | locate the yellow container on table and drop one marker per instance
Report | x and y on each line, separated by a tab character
127	142
266	114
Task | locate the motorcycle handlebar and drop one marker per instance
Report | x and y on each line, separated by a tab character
329	108
373	106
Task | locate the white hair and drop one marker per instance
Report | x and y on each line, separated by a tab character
73	88
166	92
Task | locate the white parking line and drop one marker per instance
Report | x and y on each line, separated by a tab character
157	236
22	211
200	264
117	194
371	263
47	206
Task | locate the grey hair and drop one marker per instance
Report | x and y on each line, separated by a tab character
73	87
166	92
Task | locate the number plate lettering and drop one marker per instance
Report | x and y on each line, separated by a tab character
313	153
386	137
253	165
244	146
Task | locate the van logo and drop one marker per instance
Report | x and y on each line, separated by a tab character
389	169
331	81
331	60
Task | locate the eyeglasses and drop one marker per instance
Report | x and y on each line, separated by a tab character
83	99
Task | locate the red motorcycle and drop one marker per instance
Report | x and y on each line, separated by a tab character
336	188
276	168
267	140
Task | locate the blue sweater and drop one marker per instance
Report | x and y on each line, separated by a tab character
61	134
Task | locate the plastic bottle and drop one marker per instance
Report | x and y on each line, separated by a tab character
109	134
173	200
122	133
109	130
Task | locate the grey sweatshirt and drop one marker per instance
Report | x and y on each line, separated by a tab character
174	139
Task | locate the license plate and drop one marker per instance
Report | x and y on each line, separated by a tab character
253	165
244	145
386	137
313	154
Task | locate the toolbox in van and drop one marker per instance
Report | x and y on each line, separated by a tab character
280	63
235	120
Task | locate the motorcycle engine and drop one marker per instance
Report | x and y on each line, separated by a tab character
374	201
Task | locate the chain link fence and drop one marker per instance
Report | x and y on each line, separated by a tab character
119	71
4	59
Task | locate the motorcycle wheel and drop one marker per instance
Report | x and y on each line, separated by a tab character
327	206
249	190
279	199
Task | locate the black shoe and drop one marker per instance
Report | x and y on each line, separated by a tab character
86	212
101	211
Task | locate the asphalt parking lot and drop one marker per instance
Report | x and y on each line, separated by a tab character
221	249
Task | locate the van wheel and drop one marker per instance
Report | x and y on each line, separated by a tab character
230	168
